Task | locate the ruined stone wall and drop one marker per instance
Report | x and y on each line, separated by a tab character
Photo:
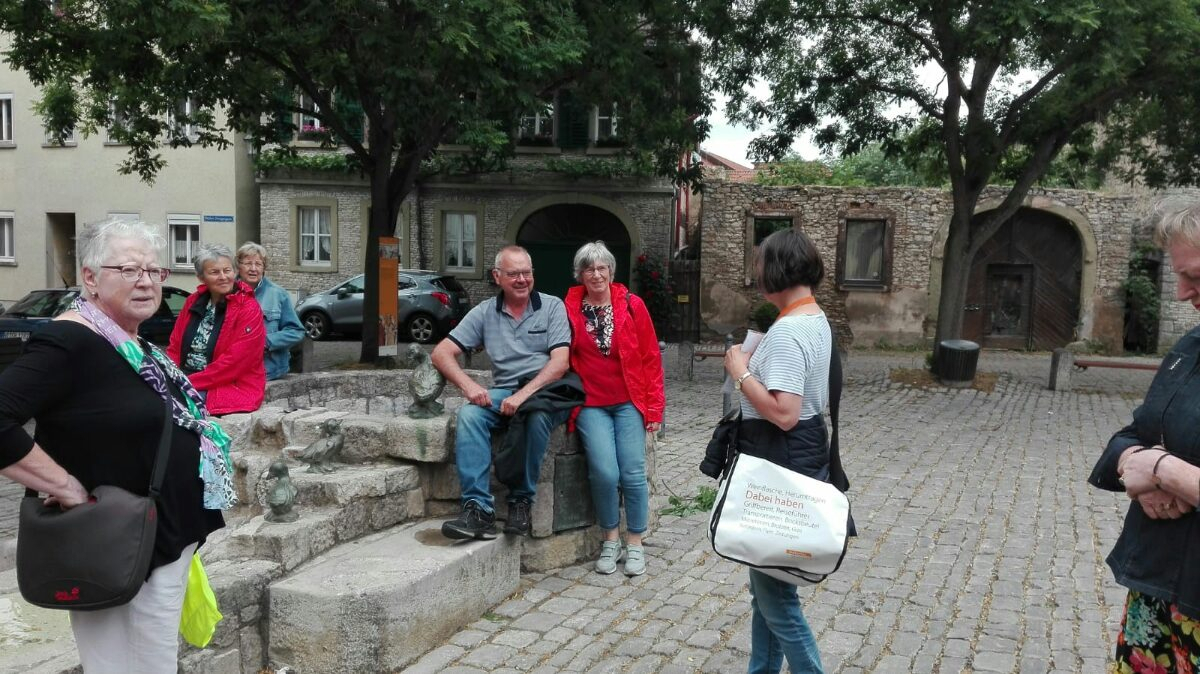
902	314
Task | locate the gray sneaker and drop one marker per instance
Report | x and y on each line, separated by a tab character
635	560
610	552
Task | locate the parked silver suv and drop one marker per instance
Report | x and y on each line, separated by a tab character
431	303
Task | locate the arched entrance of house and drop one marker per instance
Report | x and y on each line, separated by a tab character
553	233
1025	282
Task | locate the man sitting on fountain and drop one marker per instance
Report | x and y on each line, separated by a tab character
527	337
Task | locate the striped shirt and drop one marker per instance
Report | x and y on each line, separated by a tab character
794	357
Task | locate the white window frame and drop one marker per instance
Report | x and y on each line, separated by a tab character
182	130
315	235
69	141
612	118
309	123
540	120
189	224
6	119
460	242
8	226
120	119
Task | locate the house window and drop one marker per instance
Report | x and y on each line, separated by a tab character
316	236
184	230
118	125
310	125
67	141
605	127
864	251
8	253
6	122
183	125
758	227
458	241
538	125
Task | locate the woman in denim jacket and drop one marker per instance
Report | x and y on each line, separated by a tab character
283	325
1155	460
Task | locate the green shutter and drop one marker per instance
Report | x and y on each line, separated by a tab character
573	119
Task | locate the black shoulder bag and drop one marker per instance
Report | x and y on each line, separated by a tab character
95	555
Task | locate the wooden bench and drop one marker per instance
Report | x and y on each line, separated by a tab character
1063	362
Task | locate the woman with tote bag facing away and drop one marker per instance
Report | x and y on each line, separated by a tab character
785	382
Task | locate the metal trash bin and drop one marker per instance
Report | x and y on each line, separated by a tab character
957	360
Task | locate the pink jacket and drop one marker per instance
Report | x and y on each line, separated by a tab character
235	379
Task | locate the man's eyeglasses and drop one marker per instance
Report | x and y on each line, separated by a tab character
134	274
514	275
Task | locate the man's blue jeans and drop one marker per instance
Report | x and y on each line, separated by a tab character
473	449
614	438
779	630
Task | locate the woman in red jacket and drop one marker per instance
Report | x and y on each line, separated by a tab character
615	352
219	337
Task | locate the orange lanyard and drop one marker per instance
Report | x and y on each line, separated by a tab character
809	299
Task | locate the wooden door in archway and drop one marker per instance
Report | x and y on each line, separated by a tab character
553	234
1024	286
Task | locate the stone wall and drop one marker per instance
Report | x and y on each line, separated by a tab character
905	313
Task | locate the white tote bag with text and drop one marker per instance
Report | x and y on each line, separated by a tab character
787	525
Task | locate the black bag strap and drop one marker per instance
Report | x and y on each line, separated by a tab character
837	475
159	472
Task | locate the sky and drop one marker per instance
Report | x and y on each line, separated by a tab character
731	141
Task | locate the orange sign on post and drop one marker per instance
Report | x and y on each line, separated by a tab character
389	305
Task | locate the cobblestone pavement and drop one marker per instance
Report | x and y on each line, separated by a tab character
981	546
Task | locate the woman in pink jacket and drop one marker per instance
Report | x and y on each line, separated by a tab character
219	337
615	352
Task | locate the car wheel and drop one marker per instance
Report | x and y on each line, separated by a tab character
421	328
316	324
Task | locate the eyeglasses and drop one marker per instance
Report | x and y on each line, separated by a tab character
598	270
134	274
514	275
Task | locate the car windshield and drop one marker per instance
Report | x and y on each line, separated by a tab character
42	304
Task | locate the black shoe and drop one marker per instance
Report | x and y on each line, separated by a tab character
518	518
472	523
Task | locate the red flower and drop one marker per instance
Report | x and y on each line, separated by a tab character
1143	662
654	275
641	259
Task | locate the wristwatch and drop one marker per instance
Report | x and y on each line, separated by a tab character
737	384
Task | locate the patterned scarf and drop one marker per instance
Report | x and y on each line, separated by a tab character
155	368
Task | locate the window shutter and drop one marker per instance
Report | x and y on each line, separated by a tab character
573	121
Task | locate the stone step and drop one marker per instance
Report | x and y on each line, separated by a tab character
378	603
32	640
346	484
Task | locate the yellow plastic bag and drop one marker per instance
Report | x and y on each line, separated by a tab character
200	614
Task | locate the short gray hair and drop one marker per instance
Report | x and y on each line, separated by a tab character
97	238
513	248
252	248
210	252
594	253
1180	223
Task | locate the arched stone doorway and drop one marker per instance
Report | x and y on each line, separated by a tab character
1025	284
554	232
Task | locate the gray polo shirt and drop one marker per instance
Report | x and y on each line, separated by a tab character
518	348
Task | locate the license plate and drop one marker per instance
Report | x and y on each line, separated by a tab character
14	334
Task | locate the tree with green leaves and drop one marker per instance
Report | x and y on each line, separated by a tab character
997	89
388	81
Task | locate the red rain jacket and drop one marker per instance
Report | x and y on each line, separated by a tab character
235	378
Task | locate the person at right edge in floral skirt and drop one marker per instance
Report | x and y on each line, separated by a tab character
1155	460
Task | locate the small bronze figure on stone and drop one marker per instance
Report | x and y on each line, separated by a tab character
282	495
425	384
324	451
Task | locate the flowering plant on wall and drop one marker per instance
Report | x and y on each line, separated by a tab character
655	291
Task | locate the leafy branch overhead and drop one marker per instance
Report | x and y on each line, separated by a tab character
995	91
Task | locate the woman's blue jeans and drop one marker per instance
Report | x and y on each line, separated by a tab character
779	630
615	440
